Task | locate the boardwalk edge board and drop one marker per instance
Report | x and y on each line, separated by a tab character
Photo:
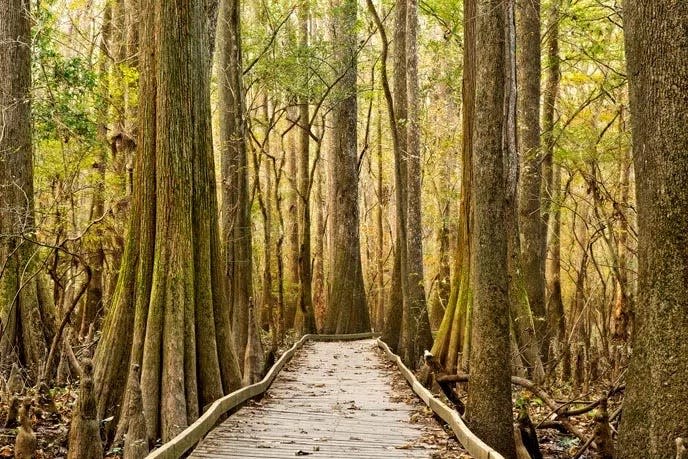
190	436
475	446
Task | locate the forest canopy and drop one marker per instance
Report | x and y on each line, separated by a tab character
188	187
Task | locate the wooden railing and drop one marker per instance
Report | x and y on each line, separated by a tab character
182	443
474	445
186	439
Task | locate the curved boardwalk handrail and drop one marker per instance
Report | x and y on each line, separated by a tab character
475	446
186	439
183	442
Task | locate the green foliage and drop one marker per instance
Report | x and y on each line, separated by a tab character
277	62
69	109
448	14
593	83
65	86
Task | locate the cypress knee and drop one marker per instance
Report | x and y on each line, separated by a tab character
25	444
136	441
84	434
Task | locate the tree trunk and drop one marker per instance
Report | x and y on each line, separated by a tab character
291	217
319	245
533	228
94	294
84	432
305	315
347	308
379	228
528	351
126	297
656	403
451	346
279	249
489	395
395	315
416	336
236	221
392	317
265	316
21	329
579	328
555	311
171	287
441	289
556	321
623	299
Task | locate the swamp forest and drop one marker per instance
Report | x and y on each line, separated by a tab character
495	191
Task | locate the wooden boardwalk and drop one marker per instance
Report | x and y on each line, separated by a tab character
333	400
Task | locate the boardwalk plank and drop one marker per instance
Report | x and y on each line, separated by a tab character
333	400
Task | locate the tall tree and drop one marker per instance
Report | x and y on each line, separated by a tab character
21	334
305	314
452	344
318	283
416	336
94	294
347	309
399	289
171	290
391	319
556	320
290	210
236	221
489	395
379	322
655	410
621	321
521	316
533	228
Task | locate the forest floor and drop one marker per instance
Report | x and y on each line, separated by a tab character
51	422
558	443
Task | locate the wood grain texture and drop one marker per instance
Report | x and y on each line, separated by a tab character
183	442
333	400
468	439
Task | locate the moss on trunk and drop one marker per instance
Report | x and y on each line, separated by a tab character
171	288
655	410
347	309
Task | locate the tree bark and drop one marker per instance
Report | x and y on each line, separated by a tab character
527	344
533	228
556	320
291	224
416	336
555	311
319	296
21	329
452	344
622	311
656	404
393	315
379	229
94	294
395	323
236	222
305	314
119	345
489	396
171	284
266	315
347	308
